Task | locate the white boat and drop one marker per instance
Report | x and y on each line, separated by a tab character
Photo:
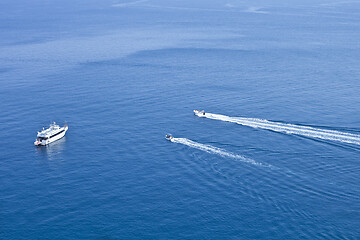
53	133
168	137
199	113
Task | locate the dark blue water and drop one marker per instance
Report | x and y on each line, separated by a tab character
123	74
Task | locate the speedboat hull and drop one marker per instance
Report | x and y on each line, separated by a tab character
168	137
199	113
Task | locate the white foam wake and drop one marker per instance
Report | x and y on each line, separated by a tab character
214	150
289	128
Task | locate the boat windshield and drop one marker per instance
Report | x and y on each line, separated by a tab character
42	138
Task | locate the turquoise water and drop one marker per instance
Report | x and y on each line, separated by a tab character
124	74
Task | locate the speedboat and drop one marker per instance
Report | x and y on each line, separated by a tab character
199	113
168	137
53	133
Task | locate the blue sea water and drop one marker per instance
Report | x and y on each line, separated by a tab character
123	74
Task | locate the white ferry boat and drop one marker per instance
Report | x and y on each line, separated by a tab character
53	133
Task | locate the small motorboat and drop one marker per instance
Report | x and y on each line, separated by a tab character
199	113
168	137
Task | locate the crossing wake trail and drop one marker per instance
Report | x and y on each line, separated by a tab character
289	128
215	150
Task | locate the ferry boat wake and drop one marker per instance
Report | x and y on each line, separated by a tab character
53	133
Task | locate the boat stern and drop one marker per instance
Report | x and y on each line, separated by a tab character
37	142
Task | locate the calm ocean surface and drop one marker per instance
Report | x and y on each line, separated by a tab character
123	74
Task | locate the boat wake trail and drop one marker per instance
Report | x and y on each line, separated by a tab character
215	150
289	128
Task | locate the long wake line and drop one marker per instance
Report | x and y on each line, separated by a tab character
215	150
289	128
